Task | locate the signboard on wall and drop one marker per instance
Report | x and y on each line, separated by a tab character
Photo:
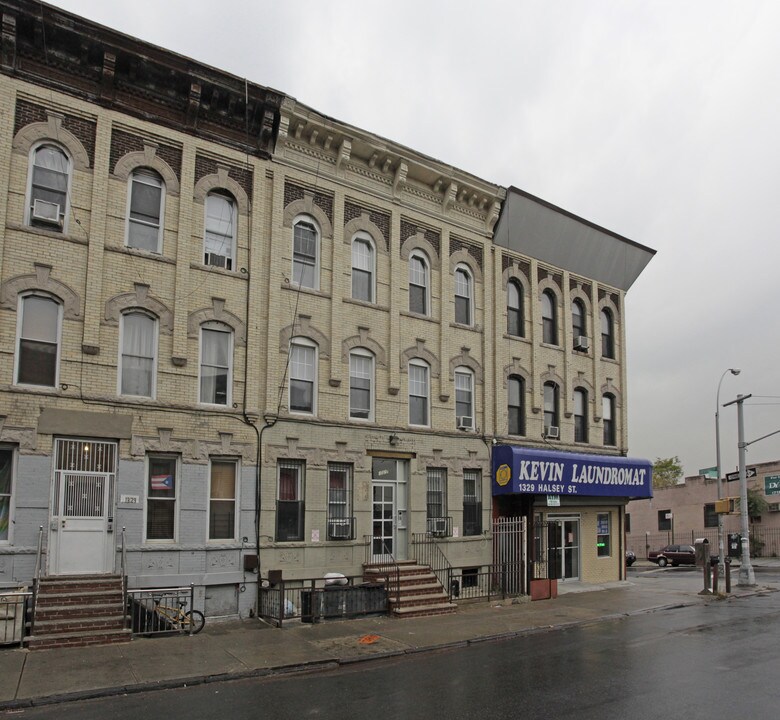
518	470
772	485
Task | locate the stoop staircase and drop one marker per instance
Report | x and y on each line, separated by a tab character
419	591
78	610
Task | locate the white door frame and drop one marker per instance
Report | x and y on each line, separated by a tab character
564	548
81	507
394	476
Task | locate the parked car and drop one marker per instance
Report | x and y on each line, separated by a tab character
675	555
630	557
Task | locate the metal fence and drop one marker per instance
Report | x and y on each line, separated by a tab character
15	608
487	582
310	600
764	542
157	611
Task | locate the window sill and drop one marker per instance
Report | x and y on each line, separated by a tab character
305	290
472	328
551	346
136	252
220	271
419	316
520	338
53	234
366	304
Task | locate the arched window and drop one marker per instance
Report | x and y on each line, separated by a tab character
419	393
38	341
578	325
362	269
361	385
419	284
607	334
608	418
581	416
551	416
514	309
303	376
549	318
219	239
48	192
464	291
306	246
464	399
139	354
516	405
216	363
145	210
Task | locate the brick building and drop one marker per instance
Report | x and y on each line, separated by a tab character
238	328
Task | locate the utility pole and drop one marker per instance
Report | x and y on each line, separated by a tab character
746	575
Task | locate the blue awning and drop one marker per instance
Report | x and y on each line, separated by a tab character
518	470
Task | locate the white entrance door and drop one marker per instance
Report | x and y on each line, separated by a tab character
80	535
566	547
389	516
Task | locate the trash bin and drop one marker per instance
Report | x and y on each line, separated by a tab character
310	605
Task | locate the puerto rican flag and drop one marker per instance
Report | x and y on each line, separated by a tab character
162	482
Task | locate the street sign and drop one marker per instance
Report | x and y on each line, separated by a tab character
749	473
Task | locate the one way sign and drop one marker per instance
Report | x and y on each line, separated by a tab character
749	473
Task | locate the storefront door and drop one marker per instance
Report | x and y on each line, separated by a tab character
565	541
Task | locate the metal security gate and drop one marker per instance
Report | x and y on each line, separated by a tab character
509	552
82	507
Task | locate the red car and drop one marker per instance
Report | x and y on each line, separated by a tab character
675	555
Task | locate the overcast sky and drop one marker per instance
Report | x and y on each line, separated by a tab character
657	120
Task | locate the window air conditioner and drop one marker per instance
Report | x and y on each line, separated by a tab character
551	431
438	526
217	260
465	422
338	530
46	211
581	342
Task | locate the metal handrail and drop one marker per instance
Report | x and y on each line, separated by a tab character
36	578
426	551
385	567
123	572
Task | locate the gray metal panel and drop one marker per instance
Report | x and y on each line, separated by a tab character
539	230
53	421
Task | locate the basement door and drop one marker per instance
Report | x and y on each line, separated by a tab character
82	507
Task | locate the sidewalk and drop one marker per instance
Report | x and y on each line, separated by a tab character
249	648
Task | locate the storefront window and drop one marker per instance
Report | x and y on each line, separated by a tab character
603	535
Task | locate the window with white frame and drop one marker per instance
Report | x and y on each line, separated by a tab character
223	500
48	192
362	269
303	376
514	309
549	318
306	241
161	492
220	231
472	502
608	418
607	334
38	341
578	325
516	405
361	385
139	353
436	500
216	354
581	415
289	503
550	407
419	284
7	473
464	290
419	388
339	501
145	210
464	399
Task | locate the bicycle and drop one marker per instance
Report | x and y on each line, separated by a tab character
191	621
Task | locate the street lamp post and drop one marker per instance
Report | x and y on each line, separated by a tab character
721	553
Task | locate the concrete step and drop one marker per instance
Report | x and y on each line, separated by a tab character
63	626
79	598
74	612
419	599
442	608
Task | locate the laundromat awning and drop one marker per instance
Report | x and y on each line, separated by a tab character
544	472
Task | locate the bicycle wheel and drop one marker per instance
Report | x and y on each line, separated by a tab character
194	618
